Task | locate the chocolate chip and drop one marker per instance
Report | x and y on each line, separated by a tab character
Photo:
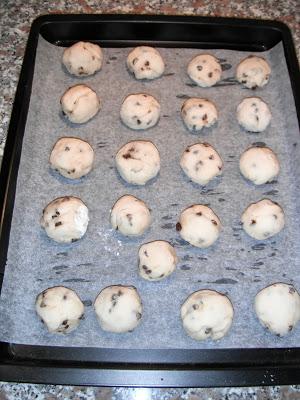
204	118
161	276
147	64
290	327
207	331
257	118
195	306
58	223
199	213
81	316
138	315
199	67
114	296
292	290
214	222
54	216
65	322
138	121
206	144
210	74
137	103
73	240
211	157
253	221
200	105
178	227
67	148
275	216
129	217
42	305
126	156
220	168
65	297
146	254
187	150
120	293
245	75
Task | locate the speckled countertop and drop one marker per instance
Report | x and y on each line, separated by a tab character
16	17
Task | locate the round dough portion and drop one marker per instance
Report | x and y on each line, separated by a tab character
65	219
207	314
253	72
199	226
72	157
145	63
205	70
157	260
140	111
198	113
138	161
83	59
259	164
253	114
278	308
201	163
60	309
263	219
80	103
130	216
119	308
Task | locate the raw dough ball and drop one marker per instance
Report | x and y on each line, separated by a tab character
138	162
65	219
205	70
157	260
199	226
60	309
263	219
253	72
118	308
83	58
140	111
130	216
278	308
207	314
72	157
198	113
80	103
201	163
253	114
259	164
145	63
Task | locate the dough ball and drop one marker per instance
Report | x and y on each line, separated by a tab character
199	226
60	309
253	72
201	163
157	260
263	219
145	63
83	58
278	308
80	103
138	162
207	314
253	114
65	219
118	308
205	70
130	216
198	113
72	157
259	164
140	111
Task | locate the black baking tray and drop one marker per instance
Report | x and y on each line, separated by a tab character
115	367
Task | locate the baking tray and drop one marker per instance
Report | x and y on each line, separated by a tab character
115	367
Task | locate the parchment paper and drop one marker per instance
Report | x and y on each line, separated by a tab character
236	264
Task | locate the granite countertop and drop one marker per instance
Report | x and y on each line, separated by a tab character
16	17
